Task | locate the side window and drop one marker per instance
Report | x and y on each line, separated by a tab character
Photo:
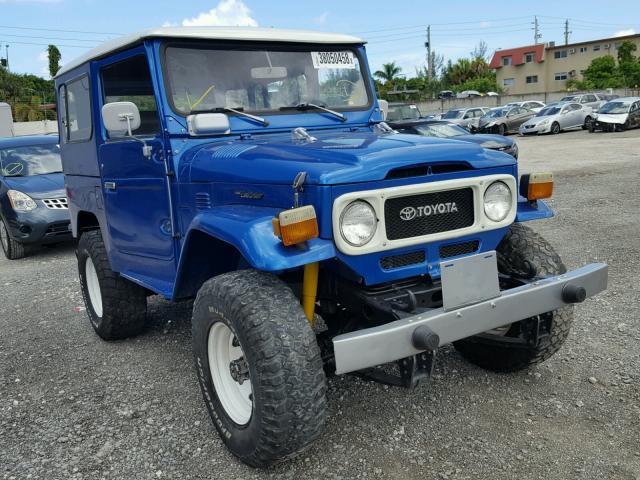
130	81
75	103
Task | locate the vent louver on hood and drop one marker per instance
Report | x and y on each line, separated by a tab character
203	201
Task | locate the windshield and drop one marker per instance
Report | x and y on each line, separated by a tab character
548	111
570	98
441	130
202	79
498	112
451	114
615	107
403	112
30	160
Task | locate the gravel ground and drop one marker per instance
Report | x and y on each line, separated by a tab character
73	406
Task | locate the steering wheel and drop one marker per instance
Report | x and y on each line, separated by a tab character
345	93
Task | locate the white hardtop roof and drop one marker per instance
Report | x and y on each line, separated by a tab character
255	34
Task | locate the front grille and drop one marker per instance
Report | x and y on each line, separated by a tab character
56	203
457	249
402	260
58	228
428	213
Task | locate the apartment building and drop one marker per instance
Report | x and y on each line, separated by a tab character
547	67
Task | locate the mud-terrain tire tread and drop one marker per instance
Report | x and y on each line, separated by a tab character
15	249
290	388
519	244
124	303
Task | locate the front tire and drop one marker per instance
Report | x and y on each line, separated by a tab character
12	249
502	129
555	128
259	366
509	350
117	308
587	123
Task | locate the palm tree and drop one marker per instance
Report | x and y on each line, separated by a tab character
389	72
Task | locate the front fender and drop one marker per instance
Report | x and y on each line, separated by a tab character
528	211
249	229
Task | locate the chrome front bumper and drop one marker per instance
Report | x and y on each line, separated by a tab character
393	341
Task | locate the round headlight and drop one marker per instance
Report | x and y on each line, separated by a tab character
497	201
358	223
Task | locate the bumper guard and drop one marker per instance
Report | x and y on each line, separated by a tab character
395	340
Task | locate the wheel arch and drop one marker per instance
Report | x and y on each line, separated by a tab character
193	271
86	221
231	237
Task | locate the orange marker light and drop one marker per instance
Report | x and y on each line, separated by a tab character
296	225
536	186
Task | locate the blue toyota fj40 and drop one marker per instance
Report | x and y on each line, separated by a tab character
251	169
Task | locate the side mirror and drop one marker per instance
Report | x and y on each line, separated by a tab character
121	118
208	124
384	108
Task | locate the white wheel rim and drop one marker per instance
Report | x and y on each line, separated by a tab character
235	397
4	236
93	287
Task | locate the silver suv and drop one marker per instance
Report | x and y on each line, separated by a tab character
593	100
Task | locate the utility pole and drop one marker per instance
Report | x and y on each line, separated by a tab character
536	30
428	45
567	32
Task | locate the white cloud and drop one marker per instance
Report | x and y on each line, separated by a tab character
485	24
623	33
321	19
43	56
227	13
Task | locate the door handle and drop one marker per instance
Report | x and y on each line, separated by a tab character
110	186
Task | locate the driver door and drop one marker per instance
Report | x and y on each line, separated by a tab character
135	192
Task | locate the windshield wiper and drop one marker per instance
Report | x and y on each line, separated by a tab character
313	106
237	111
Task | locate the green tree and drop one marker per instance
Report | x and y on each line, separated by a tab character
603	73
628	64
389	72
54	60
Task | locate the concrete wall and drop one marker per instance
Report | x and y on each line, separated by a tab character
546	97
35	128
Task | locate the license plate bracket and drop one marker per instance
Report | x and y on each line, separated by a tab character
469	280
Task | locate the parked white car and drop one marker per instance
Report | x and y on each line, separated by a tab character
558	117
468	94
534	105
464	116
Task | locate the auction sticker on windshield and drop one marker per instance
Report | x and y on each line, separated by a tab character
333	59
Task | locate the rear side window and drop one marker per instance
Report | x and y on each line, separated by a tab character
75	104
130	81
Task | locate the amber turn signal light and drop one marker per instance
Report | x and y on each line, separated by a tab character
535	186
296	225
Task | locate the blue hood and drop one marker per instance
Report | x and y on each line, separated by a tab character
336	157
38	186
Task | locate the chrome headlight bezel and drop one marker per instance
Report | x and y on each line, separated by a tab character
373	223
505	195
